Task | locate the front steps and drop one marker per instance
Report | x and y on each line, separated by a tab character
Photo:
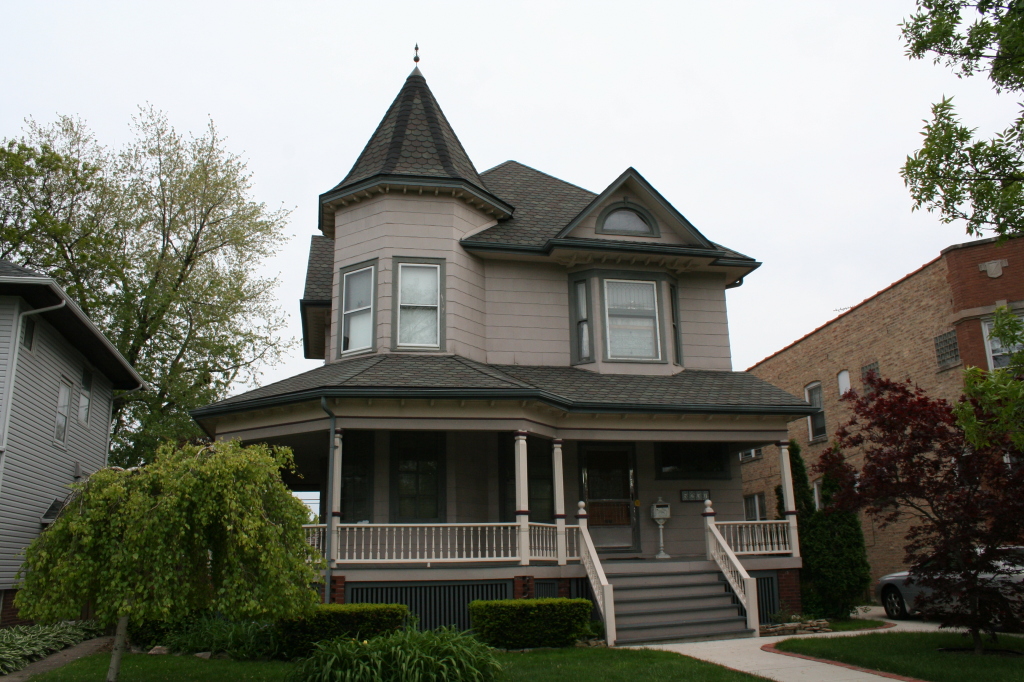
662	601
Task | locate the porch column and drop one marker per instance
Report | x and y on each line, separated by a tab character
335	482
788	498
522	499
556	477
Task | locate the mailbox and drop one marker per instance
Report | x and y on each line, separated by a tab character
661	510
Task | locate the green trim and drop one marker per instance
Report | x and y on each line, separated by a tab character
633	206
575	319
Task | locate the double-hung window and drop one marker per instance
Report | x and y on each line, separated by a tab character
419	305
631	320
85	397
357	328
754	508
998	354
60	428
816	422
581	319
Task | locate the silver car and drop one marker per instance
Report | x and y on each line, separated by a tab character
898	597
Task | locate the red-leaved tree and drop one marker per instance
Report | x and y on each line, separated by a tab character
965	502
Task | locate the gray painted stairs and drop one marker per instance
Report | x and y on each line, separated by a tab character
659	601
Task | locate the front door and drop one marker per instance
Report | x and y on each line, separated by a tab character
609	485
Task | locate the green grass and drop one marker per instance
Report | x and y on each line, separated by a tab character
559	665
613	665
915	654
854	624
146	668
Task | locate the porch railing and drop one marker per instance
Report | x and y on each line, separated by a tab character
756	537
604	594
441	542
719	551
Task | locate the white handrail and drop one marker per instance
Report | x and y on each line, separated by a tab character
603	591
757	537
744	587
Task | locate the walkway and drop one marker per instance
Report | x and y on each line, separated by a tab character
746	655
61	658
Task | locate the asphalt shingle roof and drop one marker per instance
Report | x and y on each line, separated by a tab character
706	389
414	138
319	269
543	205
9	269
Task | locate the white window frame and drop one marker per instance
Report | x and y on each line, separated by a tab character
437	307
657	321
810	418
64	387
816	488
372	307
986	328
85	397
754	453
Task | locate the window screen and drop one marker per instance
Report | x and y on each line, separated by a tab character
632	313
419	305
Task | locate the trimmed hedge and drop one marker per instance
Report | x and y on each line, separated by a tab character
330	621
529	623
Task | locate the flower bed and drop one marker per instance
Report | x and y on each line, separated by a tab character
23	644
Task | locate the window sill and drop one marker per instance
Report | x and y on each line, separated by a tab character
946	368
751	459
345	354
819	439
637	361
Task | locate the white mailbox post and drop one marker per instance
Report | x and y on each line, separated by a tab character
661	511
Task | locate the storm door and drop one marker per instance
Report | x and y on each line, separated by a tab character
608	473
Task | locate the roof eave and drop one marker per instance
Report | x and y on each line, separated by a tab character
304	305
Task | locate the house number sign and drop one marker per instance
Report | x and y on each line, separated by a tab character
694	495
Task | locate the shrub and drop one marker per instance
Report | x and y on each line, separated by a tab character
330	621
408	655
242	640
21	645
527	623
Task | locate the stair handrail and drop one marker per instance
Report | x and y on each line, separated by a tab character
603	591
743	586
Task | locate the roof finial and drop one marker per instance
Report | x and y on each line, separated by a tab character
416	58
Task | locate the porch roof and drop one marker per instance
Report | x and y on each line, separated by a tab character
567	388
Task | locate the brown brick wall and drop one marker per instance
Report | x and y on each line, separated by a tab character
789	590
522	587
8	613
895	328
565	587
337	589
972	288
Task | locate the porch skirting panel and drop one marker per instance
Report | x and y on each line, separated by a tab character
435	604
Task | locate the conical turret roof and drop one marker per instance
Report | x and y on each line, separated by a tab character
414	139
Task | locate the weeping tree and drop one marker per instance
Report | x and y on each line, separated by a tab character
199	527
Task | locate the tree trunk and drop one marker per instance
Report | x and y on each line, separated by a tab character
979	647
120	641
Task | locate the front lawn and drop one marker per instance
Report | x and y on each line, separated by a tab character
558	665
916	654
854	624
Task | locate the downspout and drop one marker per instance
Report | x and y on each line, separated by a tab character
16	341
329	526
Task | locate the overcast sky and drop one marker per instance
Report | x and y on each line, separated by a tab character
778	128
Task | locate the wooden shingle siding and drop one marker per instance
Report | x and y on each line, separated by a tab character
37	468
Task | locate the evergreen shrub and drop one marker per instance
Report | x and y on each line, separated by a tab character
408	655
529	623
296	638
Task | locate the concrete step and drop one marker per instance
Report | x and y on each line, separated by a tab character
654	566
674	616
668	591
710	635
679	629
640	604
661	579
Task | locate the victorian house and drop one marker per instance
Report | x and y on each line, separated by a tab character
521	379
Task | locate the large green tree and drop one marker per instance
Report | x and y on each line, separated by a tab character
957	173
199	527
159	243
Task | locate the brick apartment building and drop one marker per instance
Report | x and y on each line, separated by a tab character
927	327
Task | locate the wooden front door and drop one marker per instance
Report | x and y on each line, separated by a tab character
608	474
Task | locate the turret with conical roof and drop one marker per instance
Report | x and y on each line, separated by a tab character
414	147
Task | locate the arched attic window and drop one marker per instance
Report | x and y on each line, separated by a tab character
627	218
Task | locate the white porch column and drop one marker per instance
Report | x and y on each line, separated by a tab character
335	482
522	499
788	498
709	520
556	477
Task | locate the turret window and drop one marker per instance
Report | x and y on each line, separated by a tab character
419	305
357	310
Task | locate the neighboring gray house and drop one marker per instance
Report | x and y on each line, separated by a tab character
57	377
515	370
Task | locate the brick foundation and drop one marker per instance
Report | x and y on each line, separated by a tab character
337	589
789	590
8	613
522	587
565	588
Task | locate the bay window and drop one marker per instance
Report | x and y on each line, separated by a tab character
582	332
631	320
419	305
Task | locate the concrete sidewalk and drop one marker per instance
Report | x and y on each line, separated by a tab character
61	658
746	654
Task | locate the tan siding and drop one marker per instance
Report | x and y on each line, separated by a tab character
527	301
